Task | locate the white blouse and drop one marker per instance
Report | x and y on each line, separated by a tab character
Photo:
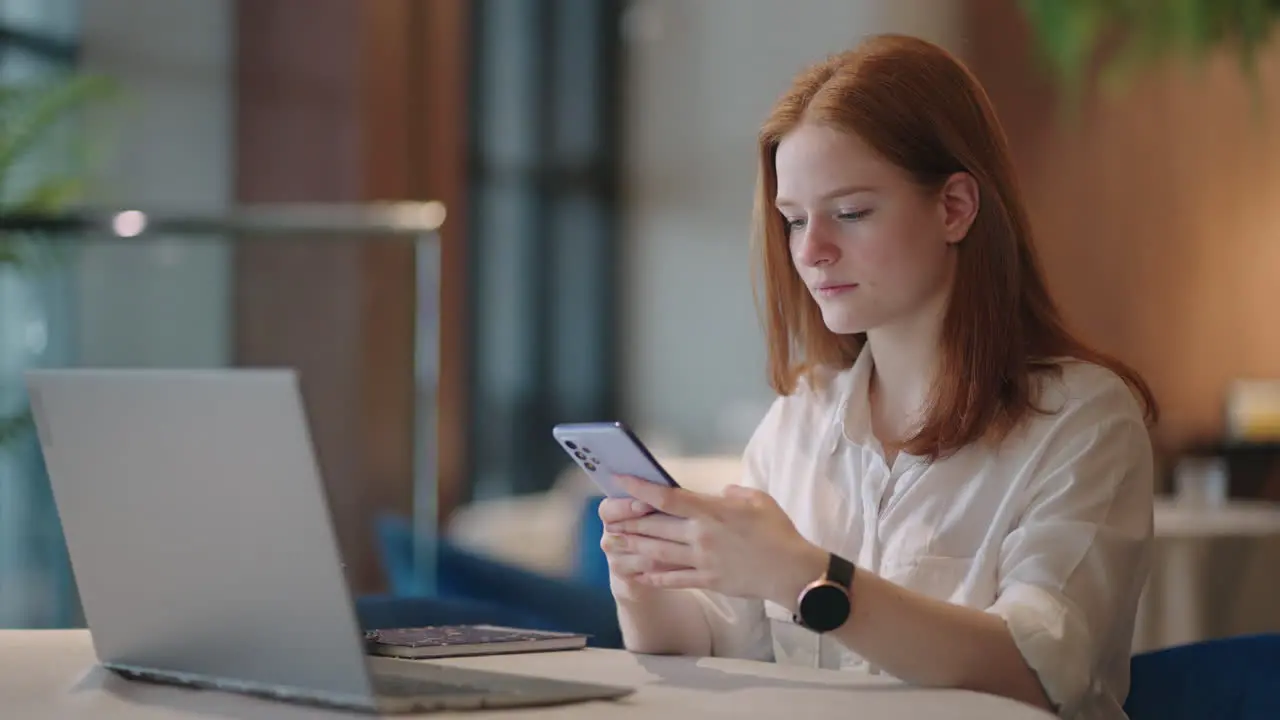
1051	530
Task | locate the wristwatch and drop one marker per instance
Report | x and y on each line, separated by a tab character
826	603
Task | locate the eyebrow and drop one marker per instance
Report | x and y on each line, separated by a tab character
838	192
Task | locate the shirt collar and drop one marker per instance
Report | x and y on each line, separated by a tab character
852	420
855	408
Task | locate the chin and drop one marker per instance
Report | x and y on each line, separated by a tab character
845	323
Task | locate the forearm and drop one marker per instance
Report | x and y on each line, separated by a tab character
921	640
929	642
664	622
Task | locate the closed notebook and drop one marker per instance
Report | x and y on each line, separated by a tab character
441	641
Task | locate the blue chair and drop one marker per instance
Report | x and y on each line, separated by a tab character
395	541
481	589
376	612
395	547
591	566
1236	678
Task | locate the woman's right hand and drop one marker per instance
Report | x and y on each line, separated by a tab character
653	620
624	565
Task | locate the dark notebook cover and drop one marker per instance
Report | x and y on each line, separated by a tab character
451	640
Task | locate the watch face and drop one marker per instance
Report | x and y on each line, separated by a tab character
824	608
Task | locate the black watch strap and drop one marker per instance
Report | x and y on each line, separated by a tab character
840	571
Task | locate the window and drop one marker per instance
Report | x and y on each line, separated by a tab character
37	42
544	204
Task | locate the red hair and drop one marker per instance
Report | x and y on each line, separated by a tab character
922	110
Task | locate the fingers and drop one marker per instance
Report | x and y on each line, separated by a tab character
665	551
613	510
673	501
629	566
740	492
663	527
681	578
625	563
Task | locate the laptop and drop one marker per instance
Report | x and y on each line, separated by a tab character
204	550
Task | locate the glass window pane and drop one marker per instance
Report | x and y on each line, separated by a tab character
54	18
52	153
18	65
36	586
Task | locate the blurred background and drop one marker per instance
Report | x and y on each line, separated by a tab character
205	183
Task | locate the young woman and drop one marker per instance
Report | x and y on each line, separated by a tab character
950	488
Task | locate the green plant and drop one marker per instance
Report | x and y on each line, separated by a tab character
29	114
1119	36
14	426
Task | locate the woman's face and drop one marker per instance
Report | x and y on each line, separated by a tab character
873	247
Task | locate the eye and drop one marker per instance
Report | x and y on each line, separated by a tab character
793	223
852	215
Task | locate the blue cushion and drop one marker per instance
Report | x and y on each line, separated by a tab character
395	545
592	568
560	604
395	540
1235	678
377	612
506	594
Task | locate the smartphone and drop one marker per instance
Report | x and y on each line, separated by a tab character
606	449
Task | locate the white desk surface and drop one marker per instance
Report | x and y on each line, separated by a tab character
1237	518
47	674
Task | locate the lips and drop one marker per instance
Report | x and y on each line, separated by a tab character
834	289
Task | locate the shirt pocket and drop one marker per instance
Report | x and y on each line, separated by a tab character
939	577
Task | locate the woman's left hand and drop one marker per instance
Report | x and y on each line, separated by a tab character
741	543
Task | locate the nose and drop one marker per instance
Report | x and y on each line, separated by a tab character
814	244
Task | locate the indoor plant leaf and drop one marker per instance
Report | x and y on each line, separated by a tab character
1073	34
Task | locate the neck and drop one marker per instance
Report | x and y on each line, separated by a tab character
905	359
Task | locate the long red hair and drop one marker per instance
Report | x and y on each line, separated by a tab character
921	109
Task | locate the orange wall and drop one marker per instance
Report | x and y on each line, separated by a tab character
1157	212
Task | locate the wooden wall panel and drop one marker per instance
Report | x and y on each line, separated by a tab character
1154	213
299	139
389	300
443	62
335	104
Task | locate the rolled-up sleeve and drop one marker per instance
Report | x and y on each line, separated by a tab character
739	627
1071	573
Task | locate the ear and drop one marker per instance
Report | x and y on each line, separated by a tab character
958	202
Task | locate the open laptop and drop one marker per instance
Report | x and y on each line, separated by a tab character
204	551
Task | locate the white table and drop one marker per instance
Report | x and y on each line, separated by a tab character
48	674
1184	534
1236	518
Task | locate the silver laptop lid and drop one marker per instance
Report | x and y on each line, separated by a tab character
198	527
